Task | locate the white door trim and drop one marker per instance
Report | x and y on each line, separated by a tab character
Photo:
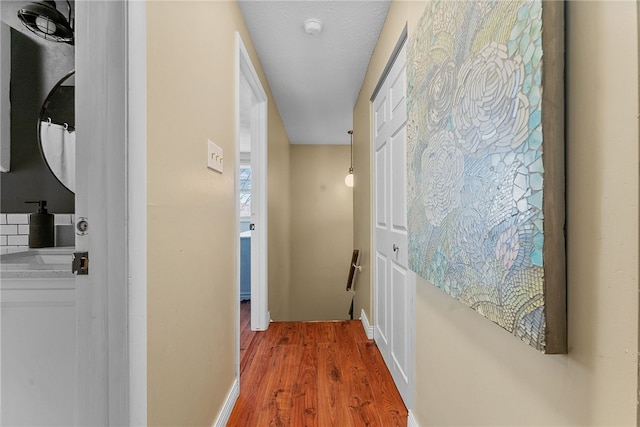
137	210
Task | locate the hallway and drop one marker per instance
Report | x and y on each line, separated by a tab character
313	374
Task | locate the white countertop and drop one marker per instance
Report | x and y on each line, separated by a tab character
37	263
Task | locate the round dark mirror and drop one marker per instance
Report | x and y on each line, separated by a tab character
57	131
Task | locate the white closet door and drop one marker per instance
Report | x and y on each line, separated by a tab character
394	284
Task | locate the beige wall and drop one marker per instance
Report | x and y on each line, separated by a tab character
192	241
321	232
469	371
279	251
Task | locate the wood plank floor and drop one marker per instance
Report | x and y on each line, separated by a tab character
313	374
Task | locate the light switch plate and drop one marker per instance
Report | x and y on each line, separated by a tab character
214	156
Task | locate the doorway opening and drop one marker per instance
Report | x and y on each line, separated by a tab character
251	190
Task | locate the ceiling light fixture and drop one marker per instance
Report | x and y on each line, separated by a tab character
44	20
313	26
349	178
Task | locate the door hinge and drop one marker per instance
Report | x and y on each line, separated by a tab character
252	226
80	263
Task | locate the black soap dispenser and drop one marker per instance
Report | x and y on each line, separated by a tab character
41	227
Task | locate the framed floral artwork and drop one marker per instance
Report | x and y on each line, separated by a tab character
485	157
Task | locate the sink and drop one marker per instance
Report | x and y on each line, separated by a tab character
50	259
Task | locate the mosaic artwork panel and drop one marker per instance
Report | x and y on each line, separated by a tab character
476	174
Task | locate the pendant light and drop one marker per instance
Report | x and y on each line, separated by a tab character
349	178
44	20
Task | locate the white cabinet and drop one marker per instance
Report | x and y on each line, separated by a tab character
37	350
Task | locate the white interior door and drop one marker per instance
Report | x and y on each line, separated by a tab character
259	279
102	387
394	284
256	117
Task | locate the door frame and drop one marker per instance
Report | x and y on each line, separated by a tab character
136	170
111	319
411	276
259	237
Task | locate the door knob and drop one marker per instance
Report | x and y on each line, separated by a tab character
395	248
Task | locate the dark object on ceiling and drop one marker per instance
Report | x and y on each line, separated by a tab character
44	20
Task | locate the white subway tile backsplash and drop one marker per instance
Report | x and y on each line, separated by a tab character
62	219
14	229
17	218
18	240
7	229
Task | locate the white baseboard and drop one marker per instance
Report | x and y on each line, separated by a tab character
368	329
411	420
229	403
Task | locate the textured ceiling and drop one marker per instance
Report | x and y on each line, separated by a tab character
315	80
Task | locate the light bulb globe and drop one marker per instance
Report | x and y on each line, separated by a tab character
348	180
